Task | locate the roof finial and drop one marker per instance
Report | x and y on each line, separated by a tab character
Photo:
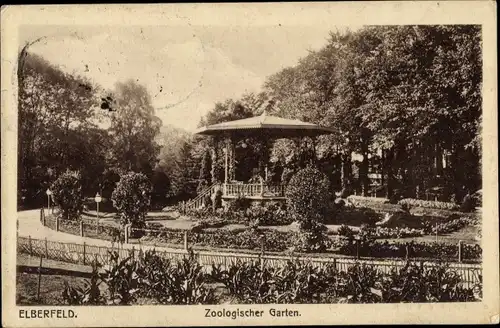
263	116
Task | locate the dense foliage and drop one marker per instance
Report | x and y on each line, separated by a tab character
152	279
429	250
244	239
68	195
308	194
405	102
63	125
132	198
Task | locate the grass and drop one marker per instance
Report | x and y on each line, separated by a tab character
51	288
52	280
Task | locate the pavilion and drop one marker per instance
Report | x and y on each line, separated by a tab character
266	128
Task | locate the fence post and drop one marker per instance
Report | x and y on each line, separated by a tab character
460	251
42	217
81	228
133	252
127	231
335	263
185	240
39	279
31	246
57	223
46	248
84	253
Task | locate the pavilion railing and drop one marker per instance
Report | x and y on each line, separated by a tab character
253	189
198	201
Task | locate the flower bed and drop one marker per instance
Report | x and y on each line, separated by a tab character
364	199
152	279
90	229
105	232
429	204
416	250
451	224
70	226
274	241
262	215
382	232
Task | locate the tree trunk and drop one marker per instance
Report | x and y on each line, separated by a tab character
382	167
364	167
346	170
390	179
363	172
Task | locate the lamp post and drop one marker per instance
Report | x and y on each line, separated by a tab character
357	239
97	199
49	193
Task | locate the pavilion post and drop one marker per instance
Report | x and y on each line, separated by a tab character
232	159
214	171
226	161
314	144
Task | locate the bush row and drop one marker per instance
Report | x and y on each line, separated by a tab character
251	239
364	199
452	224
429	204
101	231
310	240
271	214
387	249
383	232
151	279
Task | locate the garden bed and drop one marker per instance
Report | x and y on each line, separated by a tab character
155	280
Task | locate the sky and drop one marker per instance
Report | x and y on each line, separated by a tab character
187	69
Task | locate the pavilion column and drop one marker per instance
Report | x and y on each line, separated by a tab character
215	163
314	144
226	161
232	159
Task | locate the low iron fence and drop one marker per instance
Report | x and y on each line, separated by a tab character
85	254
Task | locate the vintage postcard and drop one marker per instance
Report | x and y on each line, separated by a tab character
239	164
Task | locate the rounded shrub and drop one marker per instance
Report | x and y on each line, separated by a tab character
68	194
217	199
308	194
132	198
312	237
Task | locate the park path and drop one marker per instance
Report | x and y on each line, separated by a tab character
29	225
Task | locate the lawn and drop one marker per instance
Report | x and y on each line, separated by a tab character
51	285
51	288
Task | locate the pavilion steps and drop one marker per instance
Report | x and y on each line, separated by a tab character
198	201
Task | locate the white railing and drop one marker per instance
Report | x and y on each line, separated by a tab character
197	202
253	189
